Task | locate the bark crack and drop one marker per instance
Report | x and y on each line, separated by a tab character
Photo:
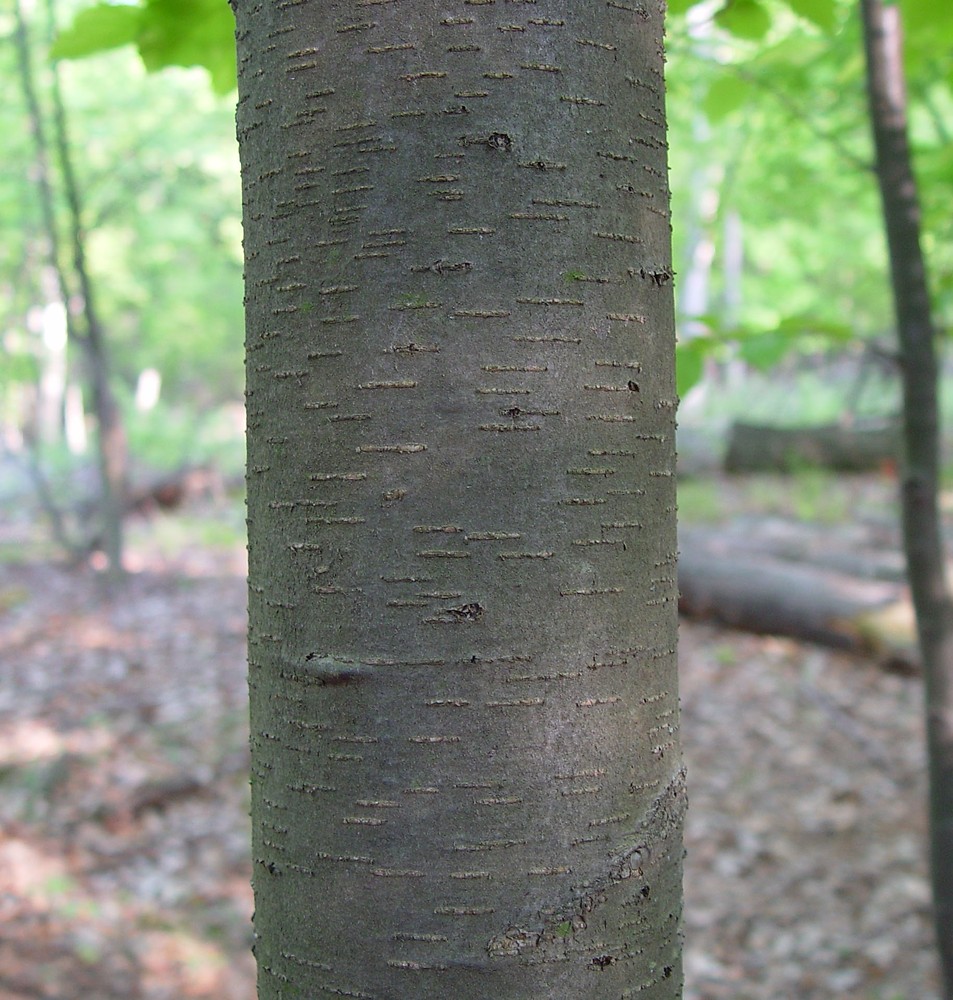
552	936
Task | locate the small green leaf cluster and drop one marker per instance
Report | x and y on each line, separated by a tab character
166	32
753	19
760	348
769	127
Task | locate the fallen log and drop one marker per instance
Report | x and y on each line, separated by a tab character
760	448
173	489
766	594
164	492
865	550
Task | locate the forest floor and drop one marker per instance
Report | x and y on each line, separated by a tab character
123	793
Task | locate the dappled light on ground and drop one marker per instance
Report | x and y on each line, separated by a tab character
29	741
806	868
124	868
124	871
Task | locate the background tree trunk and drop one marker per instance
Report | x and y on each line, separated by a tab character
466	773
923	541
75	285
111	446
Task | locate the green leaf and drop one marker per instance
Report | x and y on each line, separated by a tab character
927	16
823	13
927	29
680	6
744	19
726	94
168	33
765	350
190	33
804	325
690	362
105	26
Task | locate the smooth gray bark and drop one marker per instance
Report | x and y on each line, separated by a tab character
466	773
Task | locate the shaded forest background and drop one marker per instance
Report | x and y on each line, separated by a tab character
122	728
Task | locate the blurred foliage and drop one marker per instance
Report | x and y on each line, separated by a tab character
768	119
158	173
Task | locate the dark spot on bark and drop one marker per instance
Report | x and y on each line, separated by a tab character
513	412
472	612
495	140
603	961
446	267
659	277
633	386
340	679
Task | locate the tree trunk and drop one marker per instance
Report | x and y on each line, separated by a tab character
111	445
88	334
460	361
921	521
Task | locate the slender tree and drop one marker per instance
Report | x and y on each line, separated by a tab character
111	446
921	521
461	506
73	284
